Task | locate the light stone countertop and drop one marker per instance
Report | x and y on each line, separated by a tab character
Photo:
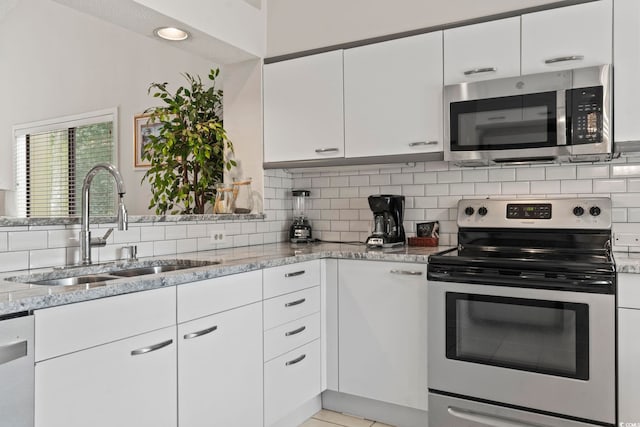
17	295
627	262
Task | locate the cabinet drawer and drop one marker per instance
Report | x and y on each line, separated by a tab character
291	335
290	278
291	306
206	297
629	290
73	327
290	380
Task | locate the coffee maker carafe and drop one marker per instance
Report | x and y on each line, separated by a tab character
388	213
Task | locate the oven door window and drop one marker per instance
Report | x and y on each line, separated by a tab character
505	123
546	337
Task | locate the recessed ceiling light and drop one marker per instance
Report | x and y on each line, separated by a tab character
171	33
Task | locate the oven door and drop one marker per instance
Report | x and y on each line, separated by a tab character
545	350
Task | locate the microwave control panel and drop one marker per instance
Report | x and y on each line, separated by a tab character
584	115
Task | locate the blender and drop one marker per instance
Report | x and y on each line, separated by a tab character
300	230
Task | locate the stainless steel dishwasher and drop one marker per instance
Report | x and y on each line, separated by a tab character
16	371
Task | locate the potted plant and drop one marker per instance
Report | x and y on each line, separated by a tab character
188	155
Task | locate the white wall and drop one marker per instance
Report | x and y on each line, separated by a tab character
297	25
55	61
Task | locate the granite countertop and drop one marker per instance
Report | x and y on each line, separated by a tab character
16	295
627	262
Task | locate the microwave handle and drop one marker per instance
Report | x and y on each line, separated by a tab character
480	70
564	59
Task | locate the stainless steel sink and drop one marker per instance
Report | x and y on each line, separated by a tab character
152	267
77	280
141	271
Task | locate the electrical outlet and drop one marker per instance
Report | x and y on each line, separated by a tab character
627	239
217	236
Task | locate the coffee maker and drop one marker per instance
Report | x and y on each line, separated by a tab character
388	213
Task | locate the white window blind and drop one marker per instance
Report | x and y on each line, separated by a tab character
52	159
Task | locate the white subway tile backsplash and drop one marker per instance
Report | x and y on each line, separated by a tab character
326	193
187	245
14	260
625	170
156	233
461	189
339	181
609	186
3	242
26	240
475	175
560	172
382	179
633	185
576	186
436	190
502	175
545	187
593	171
398	179
425	202
47	257
530	174
446	177
349	192
413	190
513	188
368	191
391	189
124	236
359	181
628	200
425	178
488	188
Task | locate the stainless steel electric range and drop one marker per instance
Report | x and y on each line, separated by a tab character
522	316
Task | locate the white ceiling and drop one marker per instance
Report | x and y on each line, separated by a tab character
142	20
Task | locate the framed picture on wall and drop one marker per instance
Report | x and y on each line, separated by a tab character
142	131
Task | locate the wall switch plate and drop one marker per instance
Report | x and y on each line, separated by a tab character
217	236
626	239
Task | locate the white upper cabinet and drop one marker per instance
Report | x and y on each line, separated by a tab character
303	108
393	97
482	51
626	53
568	37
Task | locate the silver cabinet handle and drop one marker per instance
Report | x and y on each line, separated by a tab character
496	118
295	273
486	419
327	150
480	70
296	360
295	331
200	333
296	302
564	59
13	351
407	272
151	348
418	143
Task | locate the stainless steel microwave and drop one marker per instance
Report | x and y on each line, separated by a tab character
560	116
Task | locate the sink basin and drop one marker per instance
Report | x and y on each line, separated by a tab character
141	271
77	280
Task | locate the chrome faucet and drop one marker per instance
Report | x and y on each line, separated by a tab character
86	242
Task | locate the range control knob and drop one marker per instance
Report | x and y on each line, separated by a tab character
578	211
482	211
595	211
469	211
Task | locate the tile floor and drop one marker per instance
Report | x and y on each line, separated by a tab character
326	418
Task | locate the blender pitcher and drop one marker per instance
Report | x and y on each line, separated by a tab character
300	230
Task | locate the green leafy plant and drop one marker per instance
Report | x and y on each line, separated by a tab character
188	156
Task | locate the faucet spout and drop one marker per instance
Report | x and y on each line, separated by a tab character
86	242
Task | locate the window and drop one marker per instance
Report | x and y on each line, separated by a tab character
52	159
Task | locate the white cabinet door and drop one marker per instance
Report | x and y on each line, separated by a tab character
124	383
220	369
628	366
383	331
393	97
303	108
568	37
626	59
482	51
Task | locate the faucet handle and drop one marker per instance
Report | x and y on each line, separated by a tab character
106	235
131	252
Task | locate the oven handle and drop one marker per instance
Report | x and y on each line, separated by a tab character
487	419
516	280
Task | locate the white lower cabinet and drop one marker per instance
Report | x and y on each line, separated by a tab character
220	369
291	380
382	308
123	383
628	348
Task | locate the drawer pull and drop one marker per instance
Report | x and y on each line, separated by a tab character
12	351
564	59
151	348
296	360
418	143
200	333
327	150
296	302
480	70
486	419
295	331
407	272
295	273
